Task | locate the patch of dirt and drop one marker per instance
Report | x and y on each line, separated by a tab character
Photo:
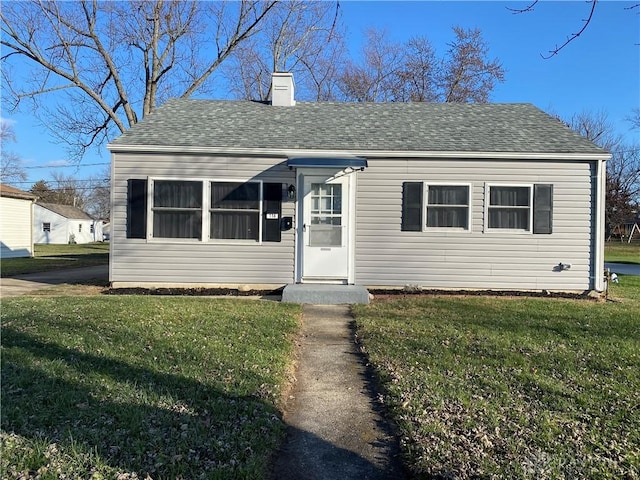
397	294
69	290
201	292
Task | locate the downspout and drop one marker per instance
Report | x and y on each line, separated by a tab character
601	172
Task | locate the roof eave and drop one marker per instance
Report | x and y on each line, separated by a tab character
286	152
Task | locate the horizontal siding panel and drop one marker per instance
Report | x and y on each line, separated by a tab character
139	261
475	259
384	254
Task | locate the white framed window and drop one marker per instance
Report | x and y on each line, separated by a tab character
448	206
79	228
46	226
235	210
176	209
205	209
509	208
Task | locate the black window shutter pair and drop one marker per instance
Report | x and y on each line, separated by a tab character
137	210
412	204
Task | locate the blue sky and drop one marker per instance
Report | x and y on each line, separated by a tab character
598	71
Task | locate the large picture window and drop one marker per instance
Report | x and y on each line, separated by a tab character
448	206
510	207
235	210
177	209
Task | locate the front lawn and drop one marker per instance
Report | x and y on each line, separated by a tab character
125	387
485	387
56	257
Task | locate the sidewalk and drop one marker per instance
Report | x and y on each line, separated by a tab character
335	430
23	284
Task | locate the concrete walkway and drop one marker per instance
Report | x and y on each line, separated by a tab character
23	284
335	430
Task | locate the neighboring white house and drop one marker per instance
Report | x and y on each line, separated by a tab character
60	224
16	213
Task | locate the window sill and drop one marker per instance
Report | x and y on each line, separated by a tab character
446	230
508	231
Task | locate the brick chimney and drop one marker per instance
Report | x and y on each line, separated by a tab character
282	89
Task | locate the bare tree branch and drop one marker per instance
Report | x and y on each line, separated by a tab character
572	37
242	31
111	63
528	8
302	37
412	72
11	168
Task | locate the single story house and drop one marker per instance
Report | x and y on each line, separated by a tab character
16	216
61	224
387	195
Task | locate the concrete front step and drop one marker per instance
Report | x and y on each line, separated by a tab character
323	294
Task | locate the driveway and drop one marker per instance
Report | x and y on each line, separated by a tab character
623	268
23	284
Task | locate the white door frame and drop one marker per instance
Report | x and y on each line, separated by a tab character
299	221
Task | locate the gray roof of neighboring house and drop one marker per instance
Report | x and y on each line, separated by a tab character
361	127
67	211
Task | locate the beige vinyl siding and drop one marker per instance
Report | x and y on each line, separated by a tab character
15	228
476	259
216	262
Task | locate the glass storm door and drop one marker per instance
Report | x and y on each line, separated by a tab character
324	231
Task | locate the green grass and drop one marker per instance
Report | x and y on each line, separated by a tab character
56	257
622	252
125	387
513	388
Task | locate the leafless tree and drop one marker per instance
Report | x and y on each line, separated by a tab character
63	190
413	72
302	37
418	80
596	126
11	169
623	186
467	74
99	195
375	79
111	63
634	118
623	170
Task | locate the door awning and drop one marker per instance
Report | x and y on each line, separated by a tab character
328	162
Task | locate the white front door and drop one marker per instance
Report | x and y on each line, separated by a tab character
325	232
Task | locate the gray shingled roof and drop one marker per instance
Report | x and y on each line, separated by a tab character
67	211
361	127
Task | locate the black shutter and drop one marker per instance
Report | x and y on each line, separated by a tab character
542	208
412	206
271	211
136	208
